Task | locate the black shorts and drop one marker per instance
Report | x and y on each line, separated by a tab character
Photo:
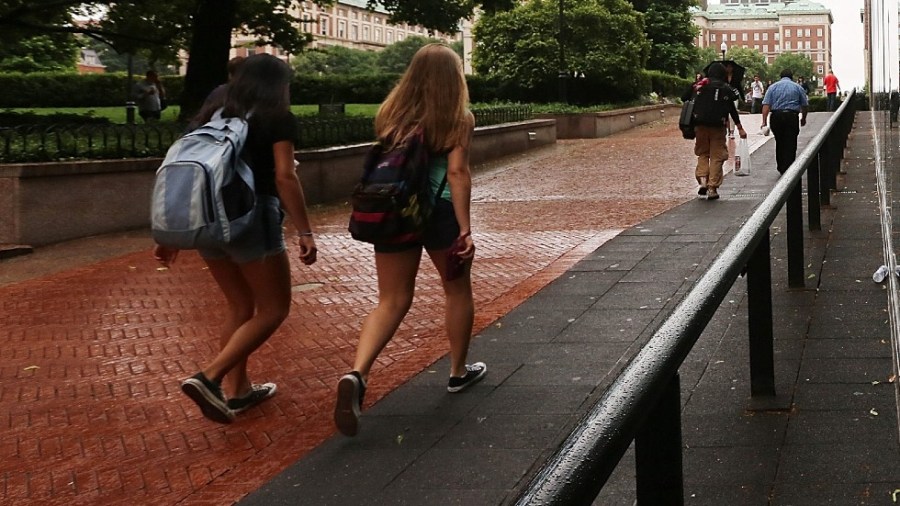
441	231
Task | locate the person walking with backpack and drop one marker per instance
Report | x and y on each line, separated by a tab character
432	98
713	104
253	271
784	103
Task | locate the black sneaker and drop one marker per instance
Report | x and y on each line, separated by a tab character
257	394
701	191
351	390
208	395
474	373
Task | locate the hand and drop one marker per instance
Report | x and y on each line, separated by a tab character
308	249
742	133
165	256
468	251
803	122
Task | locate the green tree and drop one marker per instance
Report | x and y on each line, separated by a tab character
335	60
799	64
51	52
671	33
397	56
703	57
603	42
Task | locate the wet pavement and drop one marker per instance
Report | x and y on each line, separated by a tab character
96	337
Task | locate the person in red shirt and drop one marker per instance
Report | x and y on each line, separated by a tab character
832	87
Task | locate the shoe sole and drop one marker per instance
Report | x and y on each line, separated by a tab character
257	403
346	410
712	197
466	385
207	402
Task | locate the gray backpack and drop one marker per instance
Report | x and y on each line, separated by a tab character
204	195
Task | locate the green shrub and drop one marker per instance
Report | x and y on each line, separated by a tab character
667	85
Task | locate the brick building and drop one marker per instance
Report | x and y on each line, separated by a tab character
345	23
770	26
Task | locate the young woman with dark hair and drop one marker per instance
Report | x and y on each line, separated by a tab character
254	271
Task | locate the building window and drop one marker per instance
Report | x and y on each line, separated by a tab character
765	35
366	33
820	44
820	69
787	45
777	48
354	15
806	32
744	36
323	26
378	35
390	36
819	32
712	37
765	48
354	32
733	37
756	36
787	32
400	36
342	29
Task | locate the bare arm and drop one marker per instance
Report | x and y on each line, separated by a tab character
459	177
292	200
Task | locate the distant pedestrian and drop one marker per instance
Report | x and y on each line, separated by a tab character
149	94
786	101
803	84
431	96
713	104
757	91
832	87
253	273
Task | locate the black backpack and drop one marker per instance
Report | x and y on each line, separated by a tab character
712	103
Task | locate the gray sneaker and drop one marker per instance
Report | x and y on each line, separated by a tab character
257	394
351	390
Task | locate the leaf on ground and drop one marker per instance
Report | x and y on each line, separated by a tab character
162	268
31	368
873	412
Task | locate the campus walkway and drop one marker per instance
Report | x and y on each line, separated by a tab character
575	268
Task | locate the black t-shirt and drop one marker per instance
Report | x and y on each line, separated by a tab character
262	135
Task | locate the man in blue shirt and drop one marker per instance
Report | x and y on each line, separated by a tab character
786	101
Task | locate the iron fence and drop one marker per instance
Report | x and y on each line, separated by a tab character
46	143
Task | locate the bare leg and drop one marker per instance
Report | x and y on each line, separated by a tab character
396	286
263	285
459	312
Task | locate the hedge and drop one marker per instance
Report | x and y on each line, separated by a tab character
48	89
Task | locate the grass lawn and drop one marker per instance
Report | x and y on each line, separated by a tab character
117	114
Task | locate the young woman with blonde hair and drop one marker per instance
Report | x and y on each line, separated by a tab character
432	96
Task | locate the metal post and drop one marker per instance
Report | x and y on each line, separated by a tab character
795	237
813	194
563	71
834	158
657	451
129	103
824	190
759	312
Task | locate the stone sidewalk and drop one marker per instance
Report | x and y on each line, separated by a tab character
96	338
830	437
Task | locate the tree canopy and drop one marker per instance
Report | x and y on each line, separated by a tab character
671	33
800	64
603	45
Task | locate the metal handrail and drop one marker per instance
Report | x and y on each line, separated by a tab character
646	392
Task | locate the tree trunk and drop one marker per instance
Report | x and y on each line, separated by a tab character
210	45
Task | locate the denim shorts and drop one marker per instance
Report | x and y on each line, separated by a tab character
441	231
264	238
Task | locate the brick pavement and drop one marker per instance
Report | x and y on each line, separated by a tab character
92	355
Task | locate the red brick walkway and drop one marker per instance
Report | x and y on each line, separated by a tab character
91	358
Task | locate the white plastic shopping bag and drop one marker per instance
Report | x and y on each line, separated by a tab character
742	158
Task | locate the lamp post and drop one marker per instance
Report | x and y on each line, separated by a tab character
563	72
723	48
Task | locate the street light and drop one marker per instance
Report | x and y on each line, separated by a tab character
723	48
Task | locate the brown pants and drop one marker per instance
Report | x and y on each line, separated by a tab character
711	149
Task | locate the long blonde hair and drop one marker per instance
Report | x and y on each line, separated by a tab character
432	94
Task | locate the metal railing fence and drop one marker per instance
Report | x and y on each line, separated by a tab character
643	403
56	142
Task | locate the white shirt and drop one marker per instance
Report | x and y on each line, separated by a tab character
756	88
